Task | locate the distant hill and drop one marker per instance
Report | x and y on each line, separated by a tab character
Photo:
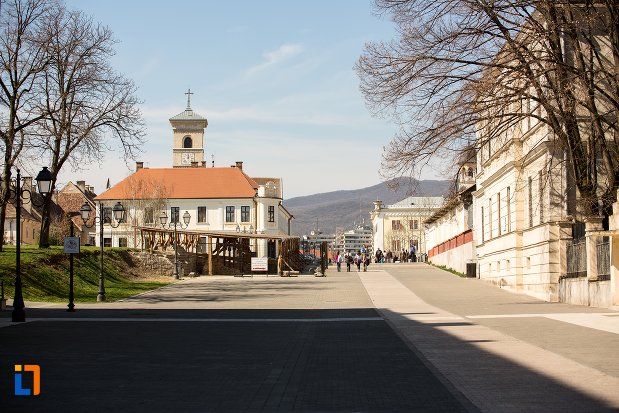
344	208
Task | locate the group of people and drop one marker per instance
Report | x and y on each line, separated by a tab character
402	256
362	258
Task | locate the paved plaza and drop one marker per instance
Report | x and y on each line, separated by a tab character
398	338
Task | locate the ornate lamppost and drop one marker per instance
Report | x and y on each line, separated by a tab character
163	219
44	184
118	212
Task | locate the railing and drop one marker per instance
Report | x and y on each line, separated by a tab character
576	259
603	258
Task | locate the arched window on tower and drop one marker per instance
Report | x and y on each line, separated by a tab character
187	143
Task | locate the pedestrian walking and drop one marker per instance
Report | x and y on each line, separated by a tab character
348	262
338	261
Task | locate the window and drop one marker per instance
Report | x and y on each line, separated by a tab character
414	224
395	225
490	218
509	211
498	212
244	214
107	215
149	216
107	242
202	214
271	214
187	142
540	197
482	225
175	214
395	245
530	201
122	242
229	214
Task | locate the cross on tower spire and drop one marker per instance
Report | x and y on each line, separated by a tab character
189	93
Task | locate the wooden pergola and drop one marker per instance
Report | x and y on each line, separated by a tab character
233	250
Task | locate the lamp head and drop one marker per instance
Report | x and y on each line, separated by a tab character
44	181
119	212
85	211
163	218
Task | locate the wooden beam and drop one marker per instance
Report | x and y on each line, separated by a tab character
210	255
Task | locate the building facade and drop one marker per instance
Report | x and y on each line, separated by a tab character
358	237
399	226
224	200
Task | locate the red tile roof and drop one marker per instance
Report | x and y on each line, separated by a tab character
183	183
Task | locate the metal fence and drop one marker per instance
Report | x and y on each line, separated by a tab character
576	259
603	258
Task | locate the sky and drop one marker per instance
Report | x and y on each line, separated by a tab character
275	79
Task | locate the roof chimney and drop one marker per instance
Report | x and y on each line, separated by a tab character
81	185
139	165
239	165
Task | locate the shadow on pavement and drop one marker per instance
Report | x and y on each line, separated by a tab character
311	363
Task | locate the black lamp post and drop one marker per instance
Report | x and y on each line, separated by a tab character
163	219
119	215
44	184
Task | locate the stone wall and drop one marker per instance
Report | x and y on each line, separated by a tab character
581	291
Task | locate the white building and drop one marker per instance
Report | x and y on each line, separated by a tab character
449	230
358	237
397	227
224	200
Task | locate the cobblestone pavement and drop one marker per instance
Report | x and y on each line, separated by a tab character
222	344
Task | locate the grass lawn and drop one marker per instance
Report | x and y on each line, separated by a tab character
45	274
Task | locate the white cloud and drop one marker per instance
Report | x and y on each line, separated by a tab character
275	57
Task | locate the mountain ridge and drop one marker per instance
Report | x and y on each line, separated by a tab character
346	207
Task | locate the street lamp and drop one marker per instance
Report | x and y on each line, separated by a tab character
119	215
163	219
44	184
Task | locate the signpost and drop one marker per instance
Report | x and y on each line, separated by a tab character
260	264
71	246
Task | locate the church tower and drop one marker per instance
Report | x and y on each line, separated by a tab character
188	141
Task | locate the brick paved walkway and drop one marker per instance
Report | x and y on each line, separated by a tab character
223	344
399	338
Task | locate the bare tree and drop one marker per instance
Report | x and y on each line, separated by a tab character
144	199
85	101
22	61
460	67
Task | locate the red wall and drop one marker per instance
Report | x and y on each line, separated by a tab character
460	239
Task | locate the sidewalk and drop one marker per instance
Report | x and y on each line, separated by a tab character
505	352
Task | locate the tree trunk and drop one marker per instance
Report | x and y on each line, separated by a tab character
45	217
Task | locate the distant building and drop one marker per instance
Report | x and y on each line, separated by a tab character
357	237
342	241
31	214
396	227
224	200
449	230
315	238
71	198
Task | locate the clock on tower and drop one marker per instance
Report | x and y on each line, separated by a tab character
187	158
